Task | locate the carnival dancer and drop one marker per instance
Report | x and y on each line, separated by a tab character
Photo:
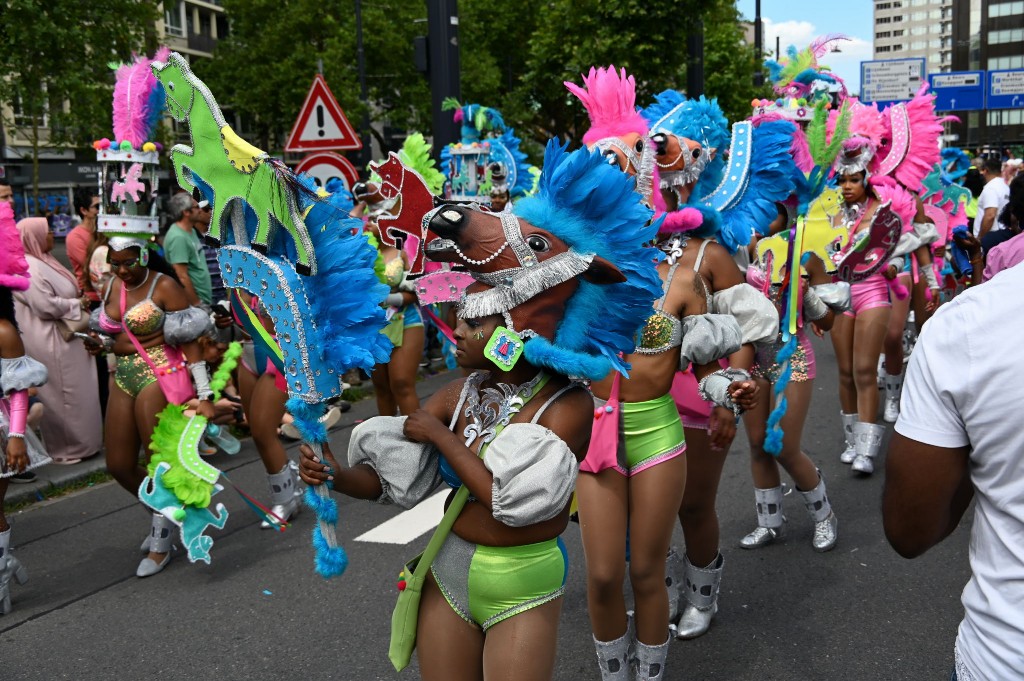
574	248
18	373
145	319
691	139
858	335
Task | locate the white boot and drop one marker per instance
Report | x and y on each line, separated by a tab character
701	592
650	661
10	568
285	494
868	442
893	390
826	525
615	657
850	453
161	537
769	518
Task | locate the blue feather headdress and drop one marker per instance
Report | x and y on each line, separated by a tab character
594	208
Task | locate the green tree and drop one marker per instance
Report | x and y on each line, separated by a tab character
729	62
54	65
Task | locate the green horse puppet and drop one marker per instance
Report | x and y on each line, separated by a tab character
237	169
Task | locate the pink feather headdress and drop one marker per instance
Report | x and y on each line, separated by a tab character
138	99
913	133
609	96
13	266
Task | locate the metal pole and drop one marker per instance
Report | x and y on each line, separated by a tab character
443	47
695	66
758	44
366	155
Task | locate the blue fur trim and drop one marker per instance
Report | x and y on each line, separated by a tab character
326	508
701	120
771	180
593	207
331	561
773	440
307	419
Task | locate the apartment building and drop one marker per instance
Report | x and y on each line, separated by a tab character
915	28
190	27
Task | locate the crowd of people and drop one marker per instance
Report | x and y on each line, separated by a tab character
619	319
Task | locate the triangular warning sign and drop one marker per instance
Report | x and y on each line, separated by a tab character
321	123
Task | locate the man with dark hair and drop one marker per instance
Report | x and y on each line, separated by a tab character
87	207
993	197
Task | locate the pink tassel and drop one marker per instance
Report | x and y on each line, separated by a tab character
898	289
682	220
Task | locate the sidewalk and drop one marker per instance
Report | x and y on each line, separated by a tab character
52	476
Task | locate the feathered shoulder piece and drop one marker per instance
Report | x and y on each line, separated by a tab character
664	114
13	266
914	133
902	202
801	75
138	99
609	96
415	154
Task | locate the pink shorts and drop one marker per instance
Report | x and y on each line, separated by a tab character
693	411
868	294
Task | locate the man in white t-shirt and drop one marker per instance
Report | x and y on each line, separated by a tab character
993	197
959	435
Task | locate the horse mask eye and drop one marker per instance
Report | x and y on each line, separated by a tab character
538	243
639	146
695	153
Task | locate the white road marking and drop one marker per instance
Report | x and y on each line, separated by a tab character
408	525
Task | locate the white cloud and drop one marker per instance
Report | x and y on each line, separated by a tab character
845	63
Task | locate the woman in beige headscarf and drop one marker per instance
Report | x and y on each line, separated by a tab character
72	425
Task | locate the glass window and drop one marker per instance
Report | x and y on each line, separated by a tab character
172	18
897	34
883	48
882	34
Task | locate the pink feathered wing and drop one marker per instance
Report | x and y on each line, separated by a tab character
13	266
609	96
915	131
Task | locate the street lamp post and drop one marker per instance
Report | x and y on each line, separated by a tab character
758	44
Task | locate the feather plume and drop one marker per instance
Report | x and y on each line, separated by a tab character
138	100
609	96
822	44
925	130
415	154
13	266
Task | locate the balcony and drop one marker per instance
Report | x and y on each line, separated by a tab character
201	43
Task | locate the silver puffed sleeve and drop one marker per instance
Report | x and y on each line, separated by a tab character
757	317
926	233
835	295
184	326
534	474
708	338
908	243
21	373
408	471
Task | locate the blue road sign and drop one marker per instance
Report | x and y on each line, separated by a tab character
958	91
1006	89
887	81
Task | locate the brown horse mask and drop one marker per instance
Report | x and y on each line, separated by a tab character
680	162
523	272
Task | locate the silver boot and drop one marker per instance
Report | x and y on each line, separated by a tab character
161	536
10	568
615	658
850	453
770	520
701	591
285	494
674	583
893	390
826	525
650	661
868	441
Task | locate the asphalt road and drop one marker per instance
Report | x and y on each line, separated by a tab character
260	612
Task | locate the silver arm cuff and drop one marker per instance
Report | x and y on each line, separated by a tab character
898	262
201	379
928	273
715	387
835	295
814	307
394	300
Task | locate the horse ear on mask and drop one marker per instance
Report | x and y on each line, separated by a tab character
603	272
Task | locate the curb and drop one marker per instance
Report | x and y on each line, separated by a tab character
52	476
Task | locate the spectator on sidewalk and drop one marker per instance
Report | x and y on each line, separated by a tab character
80	238
183	249
72	423
202	226
993	197
957	437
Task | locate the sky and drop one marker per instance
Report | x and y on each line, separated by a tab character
798	22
